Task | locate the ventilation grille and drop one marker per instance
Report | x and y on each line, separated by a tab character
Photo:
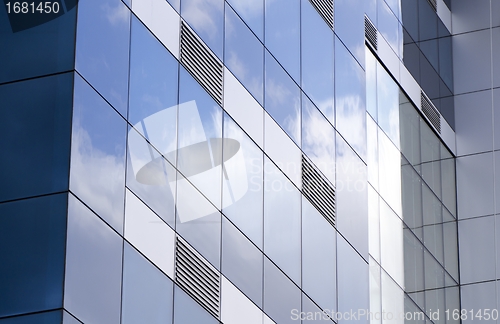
318	191
201	63
370	33
325	9
433	4
430	111
197	278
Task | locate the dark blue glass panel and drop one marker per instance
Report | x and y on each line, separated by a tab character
430	49
283	34
35	137
32	245
53	317
349	26
241	262
147	292
429	78
37	45
206	17
350	94
427	21
282	98
252	13
98	155
244	55
187	310
446	61
409	10
102	48
411	56
153	90
317	60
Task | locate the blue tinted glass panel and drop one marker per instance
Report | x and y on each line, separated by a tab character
317	60
409	11
283	34
427	21
32	237
93	276
350	94
282	98
147	292
252	13
207	19
446	61
102	50
153	90
37	127
388	104
371	84
241	262
242	198
349	26
187	310
176	4
389	26
98	154
36	44
42	318
430	49
244	55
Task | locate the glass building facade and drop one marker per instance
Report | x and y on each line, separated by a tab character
249	161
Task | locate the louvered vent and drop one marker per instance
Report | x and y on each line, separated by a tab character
370	33
197	278
201	63
318	191
325	9
433	4
430	111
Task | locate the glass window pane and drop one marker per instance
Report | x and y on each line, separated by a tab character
372	151
389	26
427	19
312	313
350	94
98	155
198	221
244	55
317	60
242	197
207	19
409	121
283	34
236	308
392	299
389	172
241	262
411	187
318	139
433	241
36	45
352	197
373	224
371	83
388	104
153	90
349	26
187	310
40	123
69	319
92	289
281	296
147	292
32	237
252	12
451	248
199	155
318	257
414	263
42	318
282	98
281	221
150	177
391	243
375	291
434	273
102	49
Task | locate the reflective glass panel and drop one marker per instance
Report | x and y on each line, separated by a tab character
350	94
98	154
375	291
283	33
317	60
282	98
281	296
187	310
92	289
32	237
102	49
281	221
372	151
36	44
388	26
349	26
242	197
318	257
389	172
252	12
388	104
427	19
244	54
391	243
451	248
150	176
153	90
414	262
318	139
37	114
42	318
392	298
373	224
371	83
147	292
409	121
241	262
207	19
411	187
199	154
